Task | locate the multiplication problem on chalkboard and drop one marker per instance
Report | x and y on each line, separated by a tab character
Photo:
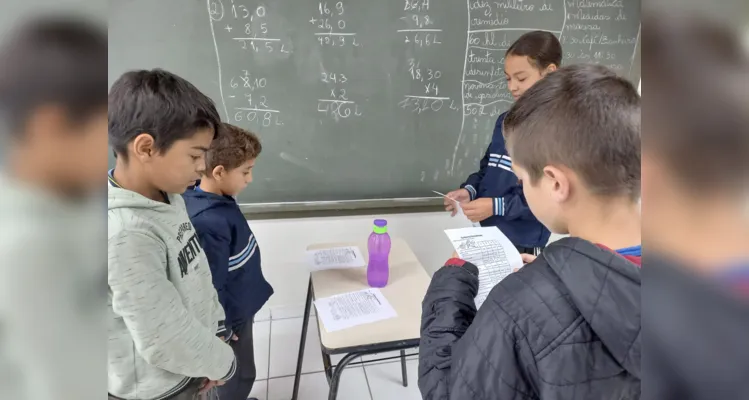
337	104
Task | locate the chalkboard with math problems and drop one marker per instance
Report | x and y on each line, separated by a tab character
361	99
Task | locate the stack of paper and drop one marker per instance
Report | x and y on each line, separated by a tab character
491	251
335	258
354	308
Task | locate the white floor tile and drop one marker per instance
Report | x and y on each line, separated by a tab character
353	386
261	337
386	382
284	348
260	390
263	314
411	354
285	312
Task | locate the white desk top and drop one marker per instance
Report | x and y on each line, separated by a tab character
405	291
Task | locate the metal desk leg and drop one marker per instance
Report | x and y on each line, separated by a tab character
333	393
327	365
403	368
302	341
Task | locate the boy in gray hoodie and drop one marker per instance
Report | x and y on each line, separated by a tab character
164	311
53	140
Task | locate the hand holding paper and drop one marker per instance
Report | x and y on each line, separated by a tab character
490	251
479	209
454	199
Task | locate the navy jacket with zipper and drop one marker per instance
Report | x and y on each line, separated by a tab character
233	254
496	180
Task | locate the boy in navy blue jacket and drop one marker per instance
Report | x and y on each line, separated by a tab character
493	195
231	247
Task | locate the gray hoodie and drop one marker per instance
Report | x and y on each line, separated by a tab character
52	282
163	309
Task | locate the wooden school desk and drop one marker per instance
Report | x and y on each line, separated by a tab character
405	291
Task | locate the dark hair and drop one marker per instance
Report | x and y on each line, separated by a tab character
53	61
233	147
159	103
541	47
697	120
585	118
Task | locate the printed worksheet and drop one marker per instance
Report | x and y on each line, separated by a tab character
354	308
335	258
490	250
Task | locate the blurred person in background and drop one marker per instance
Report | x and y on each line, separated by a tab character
53	108
695	204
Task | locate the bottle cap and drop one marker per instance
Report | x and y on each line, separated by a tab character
381	226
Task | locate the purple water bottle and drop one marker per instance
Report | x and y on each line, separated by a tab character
378	269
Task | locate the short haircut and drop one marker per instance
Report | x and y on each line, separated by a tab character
697	118
541	47
583	117
159	103
233	147
53	61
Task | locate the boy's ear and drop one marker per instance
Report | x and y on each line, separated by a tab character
559	182
550	68
143	147
218	173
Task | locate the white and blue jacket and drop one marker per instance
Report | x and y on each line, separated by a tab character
233	254
495	179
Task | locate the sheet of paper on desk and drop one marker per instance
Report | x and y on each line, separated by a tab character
335	258
354	308
491	251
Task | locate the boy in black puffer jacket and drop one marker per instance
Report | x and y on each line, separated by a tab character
567	325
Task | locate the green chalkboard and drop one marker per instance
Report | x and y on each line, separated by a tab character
361	99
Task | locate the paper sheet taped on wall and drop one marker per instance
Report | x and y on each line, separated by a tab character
354	308
335	258
489	250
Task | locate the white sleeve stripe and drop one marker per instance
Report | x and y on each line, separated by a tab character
234	257
235	267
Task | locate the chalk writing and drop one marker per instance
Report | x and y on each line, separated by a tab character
331	25
250	29
337	105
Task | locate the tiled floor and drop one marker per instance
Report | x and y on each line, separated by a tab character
276	347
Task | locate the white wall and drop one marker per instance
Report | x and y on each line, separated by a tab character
283	243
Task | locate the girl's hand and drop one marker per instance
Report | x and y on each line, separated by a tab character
527	259
479	209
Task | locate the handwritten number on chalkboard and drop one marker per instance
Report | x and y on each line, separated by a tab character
242	9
